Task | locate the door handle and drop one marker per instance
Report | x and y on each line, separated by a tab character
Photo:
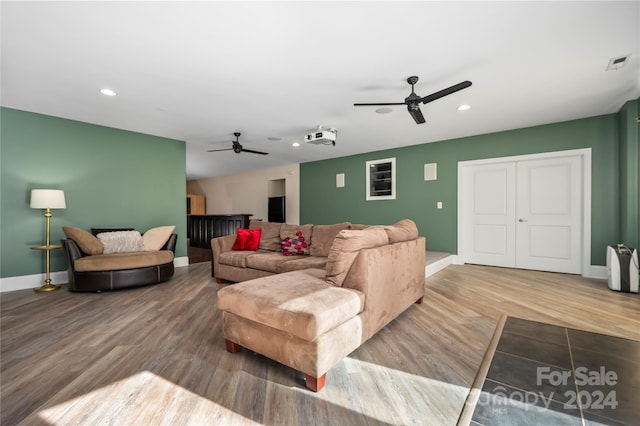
522	220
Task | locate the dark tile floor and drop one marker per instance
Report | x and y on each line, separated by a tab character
543	374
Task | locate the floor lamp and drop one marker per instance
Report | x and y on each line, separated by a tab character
47	199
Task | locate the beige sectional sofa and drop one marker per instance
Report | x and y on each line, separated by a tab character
309	319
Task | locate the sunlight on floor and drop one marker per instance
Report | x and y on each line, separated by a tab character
427	398
143	398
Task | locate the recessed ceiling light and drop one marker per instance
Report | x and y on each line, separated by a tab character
107	92
295	144
274	138
384	110
463	107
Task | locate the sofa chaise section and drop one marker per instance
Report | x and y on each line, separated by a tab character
312	318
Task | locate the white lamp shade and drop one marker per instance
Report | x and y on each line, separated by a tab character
47	199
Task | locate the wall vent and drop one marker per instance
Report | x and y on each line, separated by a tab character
616	63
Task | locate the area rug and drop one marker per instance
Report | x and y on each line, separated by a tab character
542	374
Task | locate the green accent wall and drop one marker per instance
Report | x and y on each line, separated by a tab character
629	174
322	203
111	178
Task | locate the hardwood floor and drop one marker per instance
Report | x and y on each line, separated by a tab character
155	355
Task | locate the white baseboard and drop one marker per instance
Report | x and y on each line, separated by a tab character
599	272
24	282
595	271
437	266
179	262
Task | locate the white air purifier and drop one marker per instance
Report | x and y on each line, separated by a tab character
622	268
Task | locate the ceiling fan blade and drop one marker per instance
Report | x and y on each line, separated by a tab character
216	150
444	92
254	152
387	103
416	114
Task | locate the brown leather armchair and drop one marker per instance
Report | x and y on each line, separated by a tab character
115	278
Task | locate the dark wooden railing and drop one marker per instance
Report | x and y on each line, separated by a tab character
202	228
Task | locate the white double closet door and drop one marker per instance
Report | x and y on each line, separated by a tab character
526	213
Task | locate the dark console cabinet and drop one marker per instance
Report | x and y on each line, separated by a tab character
202	228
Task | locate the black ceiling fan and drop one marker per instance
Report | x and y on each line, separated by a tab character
237	148
413	101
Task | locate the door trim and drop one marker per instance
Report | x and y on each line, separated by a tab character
585	155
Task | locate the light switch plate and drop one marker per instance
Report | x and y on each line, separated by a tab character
340	180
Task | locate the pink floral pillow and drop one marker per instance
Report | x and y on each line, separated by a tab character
295	246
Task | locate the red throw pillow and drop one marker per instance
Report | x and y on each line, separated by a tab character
247	239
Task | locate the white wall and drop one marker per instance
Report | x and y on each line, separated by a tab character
247	193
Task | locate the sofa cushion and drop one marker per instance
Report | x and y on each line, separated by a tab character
322	237
403	230
358	226
266	261
155	238
88	243
235	258
118	261
270	238
290	230
247	239
299	263
299	302
121	242
345	249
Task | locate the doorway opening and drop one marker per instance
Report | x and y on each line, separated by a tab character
276	209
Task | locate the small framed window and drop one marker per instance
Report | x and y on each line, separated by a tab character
381	179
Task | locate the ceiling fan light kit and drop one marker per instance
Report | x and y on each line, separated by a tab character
384	110
413	101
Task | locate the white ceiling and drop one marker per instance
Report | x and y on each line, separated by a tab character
198	71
